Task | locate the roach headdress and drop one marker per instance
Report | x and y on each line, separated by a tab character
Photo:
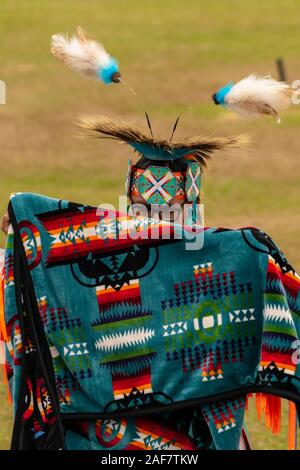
167	172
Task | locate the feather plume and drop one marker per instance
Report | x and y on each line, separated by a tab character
85	56
255	96
201	148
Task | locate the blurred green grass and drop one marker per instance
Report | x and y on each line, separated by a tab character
175	55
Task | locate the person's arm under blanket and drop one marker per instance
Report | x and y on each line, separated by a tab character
4	223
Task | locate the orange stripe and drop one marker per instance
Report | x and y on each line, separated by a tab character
292	441
109	290
127	390
280	364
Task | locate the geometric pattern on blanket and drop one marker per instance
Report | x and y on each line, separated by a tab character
105	326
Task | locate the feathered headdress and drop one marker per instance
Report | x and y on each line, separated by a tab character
201	148
254	96
85	56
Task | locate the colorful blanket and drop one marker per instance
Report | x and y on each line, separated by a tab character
121	340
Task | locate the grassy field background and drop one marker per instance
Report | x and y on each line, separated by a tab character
175	54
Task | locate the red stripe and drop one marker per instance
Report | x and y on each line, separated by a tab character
73	252
60	221
277	357
120	384
292	284
81	247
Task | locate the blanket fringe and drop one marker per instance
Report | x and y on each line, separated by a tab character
270	407
292	429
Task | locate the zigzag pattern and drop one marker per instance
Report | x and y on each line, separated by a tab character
115	341
156	443
73	233
274	286
124	311
130	366
293	304
277	341
277	313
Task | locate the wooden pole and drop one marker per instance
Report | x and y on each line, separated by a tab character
281	70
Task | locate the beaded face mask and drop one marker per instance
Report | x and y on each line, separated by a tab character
160	184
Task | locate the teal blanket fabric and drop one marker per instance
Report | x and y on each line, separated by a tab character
111	333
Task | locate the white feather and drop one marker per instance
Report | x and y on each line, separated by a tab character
254	96
80	54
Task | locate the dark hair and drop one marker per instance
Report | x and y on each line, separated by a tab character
175	165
